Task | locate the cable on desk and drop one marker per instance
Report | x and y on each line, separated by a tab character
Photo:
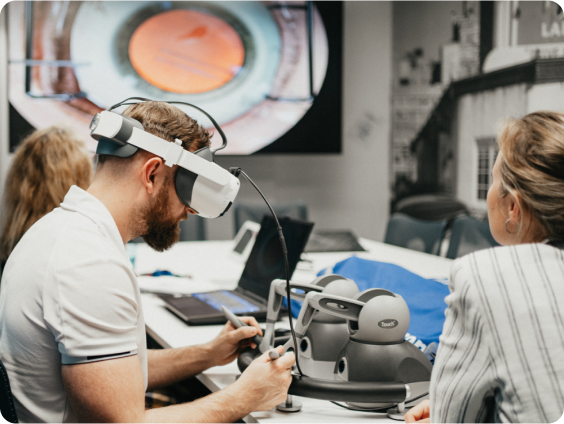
360	410
286	264
378	409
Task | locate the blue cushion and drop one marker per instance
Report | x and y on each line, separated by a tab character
424	297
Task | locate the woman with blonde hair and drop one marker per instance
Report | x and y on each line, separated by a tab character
501	354
46	164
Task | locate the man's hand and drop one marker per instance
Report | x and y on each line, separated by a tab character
167	366
420	413
265	382
231	341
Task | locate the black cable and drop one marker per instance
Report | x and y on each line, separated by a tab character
378	409
417	398
360	410
286	265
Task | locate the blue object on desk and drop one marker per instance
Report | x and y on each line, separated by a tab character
160	272
424	297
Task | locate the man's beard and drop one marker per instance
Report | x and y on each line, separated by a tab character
160	230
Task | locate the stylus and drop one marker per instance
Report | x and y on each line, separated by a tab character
238	324
273	354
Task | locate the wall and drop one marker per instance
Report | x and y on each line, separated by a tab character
350	190
546	97
478	116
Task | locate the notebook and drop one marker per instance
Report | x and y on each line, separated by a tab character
265	263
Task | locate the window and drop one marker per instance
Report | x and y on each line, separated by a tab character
487	152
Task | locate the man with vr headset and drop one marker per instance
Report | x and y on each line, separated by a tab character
72	333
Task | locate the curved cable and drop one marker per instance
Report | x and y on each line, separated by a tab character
377	409
287	268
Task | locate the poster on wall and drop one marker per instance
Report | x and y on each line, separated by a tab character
493	61
268	72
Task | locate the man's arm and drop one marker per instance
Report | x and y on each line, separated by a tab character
168	366
113	391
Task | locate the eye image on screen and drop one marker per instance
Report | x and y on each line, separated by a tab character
259	68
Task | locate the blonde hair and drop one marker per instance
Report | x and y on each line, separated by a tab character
532	166
46	164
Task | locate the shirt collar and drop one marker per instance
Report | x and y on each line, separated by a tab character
82	202
555	243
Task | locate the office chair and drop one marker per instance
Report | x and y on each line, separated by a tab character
254	212
468	235
415	234
7	407
431	207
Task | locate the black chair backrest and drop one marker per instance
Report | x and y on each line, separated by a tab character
193	228
415	234
468	235
6	400
431	207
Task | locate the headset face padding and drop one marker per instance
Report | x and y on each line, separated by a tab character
184	181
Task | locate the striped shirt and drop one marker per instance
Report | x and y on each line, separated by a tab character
501	354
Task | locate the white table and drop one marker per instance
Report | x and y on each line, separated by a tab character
211	267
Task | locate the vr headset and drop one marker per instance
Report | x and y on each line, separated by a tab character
200	183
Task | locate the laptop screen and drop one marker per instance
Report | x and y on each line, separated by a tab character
266	261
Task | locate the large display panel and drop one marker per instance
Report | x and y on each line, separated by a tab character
269	72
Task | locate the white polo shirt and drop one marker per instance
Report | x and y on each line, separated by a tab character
68	295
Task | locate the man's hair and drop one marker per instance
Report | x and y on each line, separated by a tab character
164	121
46	164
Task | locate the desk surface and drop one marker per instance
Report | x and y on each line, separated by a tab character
211	267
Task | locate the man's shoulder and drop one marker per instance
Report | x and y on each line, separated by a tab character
64	239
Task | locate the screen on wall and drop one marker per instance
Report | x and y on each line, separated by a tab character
269	72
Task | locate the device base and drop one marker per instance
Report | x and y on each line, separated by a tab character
290	405
394	414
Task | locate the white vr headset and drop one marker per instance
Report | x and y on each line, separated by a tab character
200	183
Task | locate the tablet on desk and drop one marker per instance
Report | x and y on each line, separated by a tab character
245	240
265	263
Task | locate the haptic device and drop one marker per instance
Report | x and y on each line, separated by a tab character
351	345
200	184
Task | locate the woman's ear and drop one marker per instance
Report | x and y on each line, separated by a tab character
514	207
150	169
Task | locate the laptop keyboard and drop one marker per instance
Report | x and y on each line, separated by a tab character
230	300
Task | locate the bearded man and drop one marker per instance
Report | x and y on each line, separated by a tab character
72	333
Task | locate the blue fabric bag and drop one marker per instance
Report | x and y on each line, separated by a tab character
424	297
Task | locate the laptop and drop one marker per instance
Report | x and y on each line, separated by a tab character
265	263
